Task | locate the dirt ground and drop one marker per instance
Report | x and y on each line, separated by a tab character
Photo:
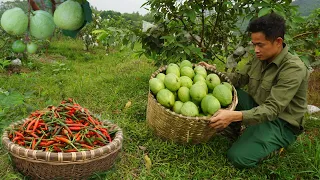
314	88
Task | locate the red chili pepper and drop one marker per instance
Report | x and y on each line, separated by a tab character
18	133
17	138
35	125
70	150
42	144
30	124
86	146
65	141
76	124
105	132
59	145
49	143
34	135
21	143
38	131
75	128
33	143
26	122
56	149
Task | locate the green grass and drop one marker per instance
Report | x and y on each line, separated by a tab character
104	84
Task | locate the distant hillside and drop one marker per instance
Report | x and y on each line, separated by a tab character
306	6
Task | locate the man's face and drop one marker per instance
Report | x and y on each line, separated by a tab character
265	49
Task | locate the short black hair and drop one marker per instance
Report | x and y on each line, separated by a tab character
272	25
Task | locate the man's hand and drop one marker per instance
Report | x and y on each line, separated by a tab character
222	118
207	65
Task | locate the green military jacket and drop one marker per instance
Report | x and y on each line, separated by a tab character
279	88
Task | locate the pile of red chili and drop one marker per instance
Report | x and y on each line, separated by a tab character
65	128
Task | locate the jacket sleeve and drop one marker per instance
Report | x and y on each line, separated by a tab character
280	96
241	77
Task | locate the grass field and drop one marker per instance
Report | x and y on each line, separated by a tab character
104	84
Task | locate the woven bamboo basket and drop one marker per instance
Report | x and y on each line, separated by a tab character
38	164
169	125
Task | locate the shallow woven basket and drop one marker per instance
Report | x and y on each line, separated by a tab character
169	125
74	165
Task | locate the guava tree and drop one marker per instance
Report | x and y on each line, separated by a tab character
204	30
116	32
304	37
37	20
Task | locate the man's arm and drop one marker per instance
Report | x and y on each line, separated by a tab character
240	78
280	96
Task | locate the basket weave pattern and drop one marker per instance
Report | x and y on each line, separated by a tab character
169	125
74	165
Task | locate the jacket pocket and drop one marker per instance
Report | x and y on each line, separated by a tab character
266	85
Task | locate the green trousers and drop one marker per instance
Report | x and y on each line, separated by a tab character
260	140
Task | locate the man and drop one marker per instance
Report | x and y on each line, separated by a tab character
274	107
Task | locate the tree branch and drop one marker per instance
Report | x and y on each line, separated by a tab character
33	5
43	6
302	34
187	29
53	5
215	24
202	21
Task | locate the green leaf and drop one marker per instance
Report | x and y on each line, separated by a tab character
81	1
281	13
306	60
102	36
192	15
87	11
12	100
264	11
262	4
187	50
298	19
98	31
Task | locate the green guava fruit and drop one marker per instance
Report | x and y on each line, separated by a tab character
200	70
177	107
184	94
18	46
186	81
210	104
32	47
185	63
69	15
14	21
155	85
41	24
189	109
187	71
223	94
197	92
161	76
198	77
172	82
212	81
166	98
173	69
228	85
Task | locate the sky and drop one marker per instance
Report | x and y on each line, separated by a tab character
123	6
